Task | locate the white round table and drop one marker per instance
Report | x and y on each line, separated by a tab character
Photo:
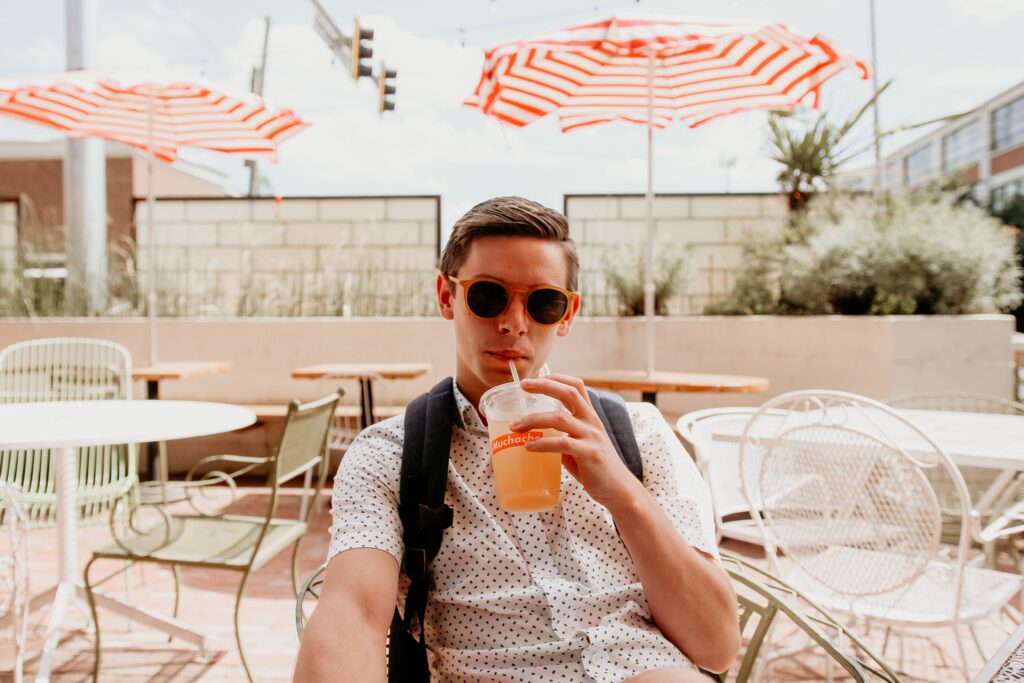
67	425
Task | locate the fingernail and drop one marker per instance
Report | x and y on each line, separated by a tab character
514	425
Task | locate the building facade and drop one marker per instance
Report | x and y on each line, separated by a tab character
986	145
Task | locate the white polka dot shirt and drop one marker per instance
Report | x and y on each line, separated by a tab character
549	596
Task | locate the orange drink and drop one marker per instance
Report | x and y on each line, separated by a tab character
525	481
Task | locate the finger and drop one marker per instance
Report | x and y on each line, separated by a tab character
559	420
566	393
563	444
573	381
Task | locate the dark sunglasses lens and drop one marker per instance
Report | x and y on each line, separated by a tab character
547	306
486	299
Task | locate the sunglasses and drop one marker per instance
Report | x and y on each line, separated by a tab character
487	298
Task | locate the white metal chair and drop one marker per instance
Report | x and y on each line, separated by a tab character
992	491
14	573
67	369
844	485
718	462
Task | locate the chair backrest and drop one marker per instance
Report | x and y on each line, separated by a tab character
961	402
845	496
718	461
766	600
304	438
67	369
64	369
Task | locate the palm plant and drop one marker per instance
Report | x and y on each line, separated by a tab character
812	152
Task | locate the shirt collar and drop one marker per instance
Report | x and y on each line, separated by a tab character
468	417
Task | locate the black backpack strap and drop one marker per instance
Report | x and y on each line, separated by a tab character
424	475
615	417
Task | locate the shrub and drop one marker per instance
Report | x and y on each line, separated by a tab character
919	255
624	271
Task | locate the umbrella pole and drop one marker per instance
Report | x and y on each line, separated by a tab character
649	252
151	247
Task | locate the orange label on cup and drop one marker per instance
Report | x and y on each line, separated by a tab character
512	440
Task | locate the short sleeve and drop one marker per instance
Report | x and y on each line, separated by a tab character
364	503
673	479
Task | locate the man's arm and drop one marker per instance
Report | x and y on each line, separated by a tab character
345	639
689	595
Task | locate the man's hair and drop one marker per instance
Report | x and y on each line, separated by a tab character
510	216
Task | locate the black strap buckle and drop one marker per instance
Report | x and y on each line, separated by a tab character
440	517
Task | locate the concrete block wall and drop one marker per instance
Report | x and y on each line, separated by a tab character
711	225
8	237
294	256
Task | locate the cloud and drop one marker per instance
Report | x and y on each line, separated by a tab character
988	11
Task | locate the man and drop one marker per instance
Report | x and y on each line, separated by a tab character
619	582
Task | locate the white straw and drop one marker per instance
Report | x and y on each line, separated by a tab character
520	399
515	373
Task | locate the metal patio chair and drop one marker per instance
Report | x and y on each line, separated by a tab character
240	543
846	495
992	491
718	462
67	369
763	602
14	573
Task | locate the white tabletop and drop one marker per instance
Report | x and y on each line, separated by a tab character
972	439
62	424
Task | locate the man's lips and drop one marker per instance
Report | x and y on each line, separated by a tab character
506	355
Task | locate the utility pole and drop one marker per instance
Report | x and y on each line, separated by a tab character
876	185
258	75
85	183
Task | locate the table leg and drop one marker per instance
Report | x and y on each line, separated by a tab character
152	394
649	397
365	402
67	555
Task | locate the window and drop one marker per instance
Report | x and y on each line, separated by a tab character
1006	192
1008	125
962	147
919	166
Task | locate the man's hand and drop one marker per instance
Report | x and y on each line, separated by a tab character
689	596
587	451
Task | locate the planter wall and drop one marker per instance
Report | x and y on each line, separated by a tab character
875	356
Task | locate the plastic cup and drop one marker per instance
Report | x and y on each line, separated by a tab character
526	481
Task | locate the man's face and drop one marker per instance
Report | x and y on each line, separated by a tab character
485	346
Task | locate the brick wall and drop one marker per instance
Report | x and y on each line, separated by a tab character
298	256
711	225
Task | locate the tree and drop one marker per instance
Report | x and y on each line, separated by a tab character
812	151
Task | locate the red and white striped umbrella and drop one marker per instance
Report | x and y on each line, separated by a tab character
166	116
697	70
653	70
158	118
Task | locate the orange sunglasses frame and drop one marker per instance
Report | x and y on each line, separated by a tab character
527	291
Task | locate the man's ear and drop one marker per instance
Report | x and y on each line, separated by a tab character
444	296
566	325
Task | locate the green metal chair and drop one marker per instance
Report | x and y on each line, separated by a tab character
764	601
232	542
67	369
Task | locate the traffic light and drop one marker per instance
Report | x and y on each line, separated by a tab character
362	51
386	87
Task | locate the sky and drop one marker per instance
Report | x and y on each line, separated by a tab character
944	56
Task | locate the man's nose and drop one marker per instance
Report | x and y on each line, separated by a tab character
515	319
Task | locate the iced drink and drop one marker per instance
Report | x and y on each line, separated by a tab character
526	481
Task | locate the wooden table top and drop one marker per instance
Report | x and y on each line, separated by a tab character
682	382
179	369
1018	348
363	371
